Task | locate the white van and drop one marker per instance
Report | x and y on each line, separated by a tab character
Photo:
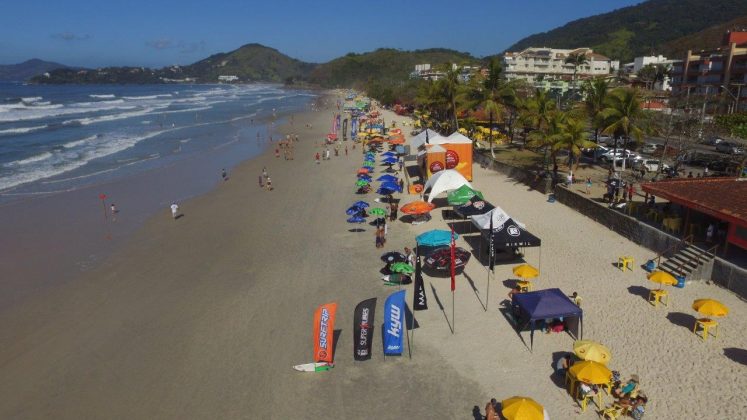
651	165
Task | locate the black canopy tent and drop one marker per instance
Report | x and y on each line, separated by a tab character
511	235
473	207
531	307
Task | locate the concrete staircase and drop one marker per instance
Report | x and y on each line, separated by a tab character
692	262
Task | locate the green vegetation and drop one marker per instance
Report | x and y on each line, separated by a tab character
27	69
640	29
734	124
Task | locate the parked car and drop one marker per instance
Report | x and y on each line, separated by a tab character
730	148
621	154
650	165
713	141
649	148
723	166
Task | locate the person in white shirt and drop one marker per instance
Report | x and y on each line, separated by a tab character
174	210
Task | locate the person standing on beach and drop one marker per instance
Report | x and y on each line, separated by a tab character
393	215
224	174
261	181
174	210
346	150
264	172
269	184
114	212
588	185
317	158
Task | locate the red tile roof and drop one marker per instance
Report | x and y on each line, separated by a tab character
725	198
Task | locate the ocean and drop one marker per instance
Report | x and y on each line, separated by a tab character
63	137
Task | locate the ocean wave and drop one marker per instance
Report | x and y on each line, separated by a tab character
76	143
107	96
21	130
28	160
112	117
137	98
59	161
31	99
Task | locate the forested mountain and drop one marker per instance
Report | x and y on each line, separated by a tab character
29	68
383	65
638	30
706	39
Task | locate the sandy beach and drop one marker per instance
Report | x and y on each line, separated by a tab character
204	316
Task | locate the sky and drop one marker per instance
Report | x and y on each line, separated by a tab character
156	33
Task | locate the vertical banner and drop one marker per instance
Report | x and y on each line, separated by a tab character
419	301
491	256
324	332
363	326
394	321
452	263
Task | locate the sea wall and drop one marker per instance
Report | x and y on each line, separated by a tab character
543	185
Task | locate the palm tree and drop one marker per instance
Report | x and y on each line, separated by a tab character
450	90
624	116
490	95
577	60
595	94
540	114
572	137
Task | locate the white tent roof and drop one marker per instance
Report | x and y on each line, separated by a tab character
499	216
443	181
436	148
419	140
459	138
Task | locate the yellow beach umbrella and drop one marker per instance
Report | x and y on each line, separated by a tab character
710	307
526	271
591	350
522	408
662	277
591	372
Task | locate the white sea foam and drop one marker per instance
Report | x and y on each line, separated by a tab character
29	160
21	130
136	98
31	99
76	143
107	96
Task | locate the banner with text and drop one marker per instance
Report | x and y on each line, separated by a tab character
324	332
394	322
363	327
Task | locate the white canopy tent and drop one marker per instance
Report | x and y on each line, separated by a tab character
459	138
419	140
443	181
499	216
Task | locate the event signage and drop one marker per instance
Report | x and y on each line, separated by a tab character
363	324
324	328
419	300
452	159
436	166
394	322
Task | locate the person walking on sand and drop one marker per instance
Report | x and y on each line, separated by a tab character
393	214
264	172
588	185
261	181
224	174
174	210
269	184
114	212
317	158
346	150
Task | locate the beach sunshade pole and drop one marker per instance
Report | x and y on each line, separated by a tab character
453	281
407	333
491	263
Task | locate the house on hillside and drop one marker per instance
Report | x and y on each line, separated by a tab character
546	68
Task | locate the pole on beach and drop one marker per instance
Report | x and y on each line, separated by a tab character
407	333
453	281
102	197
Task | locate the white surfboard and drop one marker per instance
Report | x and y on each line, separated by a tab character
314	367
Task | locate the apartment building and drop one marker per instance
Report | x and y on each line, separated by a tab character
714	72
546	67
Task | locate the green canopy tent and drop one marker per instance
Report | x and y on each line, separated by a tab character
462	195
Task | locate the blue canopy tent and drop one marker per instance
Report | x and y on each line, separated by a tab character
540	305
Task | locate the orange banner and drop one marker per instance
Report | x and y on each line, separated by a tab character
324	332
459	157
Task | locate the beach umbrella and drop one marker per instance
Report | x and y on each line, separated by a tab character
387	178
377	211
390	160
440	259
363	171
710	307
385	191
662	277
391	186
462	195
354	210
593	351
389	154
393	257
417	207
398	140
522	408
361	204
591	372
435	238
361	182
365	177
526	271
356	219
402	267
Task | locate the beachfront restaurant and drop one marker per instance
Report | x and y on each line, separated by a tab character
716	203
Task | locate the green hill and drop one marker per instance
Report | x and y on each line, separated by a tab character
27	69
637	30
383	65
251	62
706	39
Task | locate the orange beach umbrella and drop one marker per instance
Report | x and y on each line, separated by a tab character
417	207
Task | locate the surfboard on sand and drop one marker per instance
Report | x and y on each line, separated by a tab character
314	367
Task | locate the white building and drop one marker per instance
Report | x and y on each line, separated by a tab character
540	66
427	72
638	63
228	79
